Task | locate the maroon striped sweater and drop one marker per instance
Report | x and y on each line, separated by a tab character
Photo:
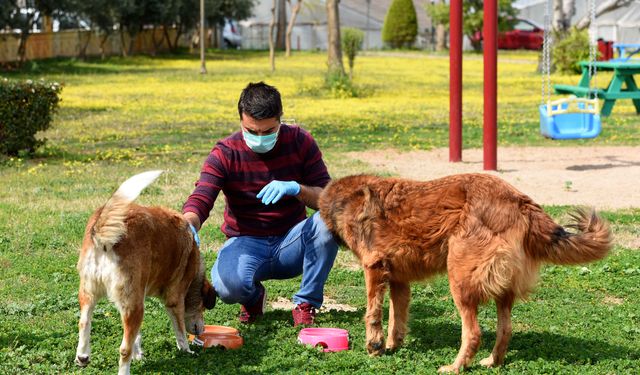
241	173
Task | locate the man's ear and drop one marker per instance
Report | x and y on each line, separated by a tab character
208	295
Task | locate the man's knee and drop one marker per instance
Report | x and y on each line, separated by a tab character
231	288
322	235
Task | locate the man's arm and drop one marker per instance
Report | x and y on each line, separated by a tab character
309	195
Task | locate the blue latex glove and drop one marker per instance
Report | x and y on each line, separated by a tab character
195	234
275	190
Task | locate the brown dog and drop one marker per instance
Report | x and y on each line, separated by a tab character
130	252
488	237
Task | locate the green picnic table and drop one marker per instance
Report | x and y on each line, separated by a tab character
623	72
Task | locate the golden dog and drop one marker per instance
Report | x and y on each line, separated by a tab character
130	252
488	237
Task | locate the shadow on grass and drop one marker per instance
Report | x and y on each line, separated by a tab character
118	65
524	346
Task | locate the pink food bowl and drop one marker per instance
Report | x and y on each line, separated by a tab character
331	339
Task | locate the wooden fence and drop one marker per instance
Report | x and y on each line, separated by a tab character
70	43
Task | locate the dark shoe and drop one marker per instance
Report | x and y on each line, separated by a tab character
304	314
249	314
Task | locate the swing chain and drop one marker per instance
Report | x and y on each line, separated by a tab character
593	44
546	55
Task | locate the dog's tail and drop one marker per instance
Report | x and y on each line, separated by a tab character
109	226
550	242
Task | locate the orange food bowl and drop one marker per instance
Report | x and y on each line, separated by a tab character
227	337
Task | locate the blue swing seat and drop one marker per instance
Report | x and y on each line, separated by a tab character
570	118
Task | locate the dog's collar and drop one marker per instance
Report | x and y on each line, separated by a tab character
195	234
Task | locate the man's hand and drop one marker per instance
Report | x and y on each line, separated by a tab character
275	190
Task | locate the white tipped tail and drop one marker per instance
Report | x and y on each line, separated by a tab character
131	189
109	227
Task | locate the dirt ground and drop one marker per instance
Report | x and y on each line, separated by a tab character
602	177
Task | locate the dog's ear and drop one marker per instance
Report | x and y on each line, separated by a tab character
208	295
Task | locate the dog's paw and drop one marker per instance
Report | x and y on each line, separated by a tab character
138	355
82	360
490	362
394	344
448	369
375	348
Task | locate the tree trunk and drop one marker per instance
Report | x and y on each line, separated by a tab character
167	38
441	37
334	48
102	42
179	31
605	7
441	33
22	47
272	25
569	10
82	52
559	22
292	21
282	24
123	44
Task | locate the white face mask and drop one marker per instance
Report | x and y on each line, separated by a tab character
260	143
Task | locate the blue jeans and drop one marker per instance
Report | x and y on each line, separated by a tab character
308	249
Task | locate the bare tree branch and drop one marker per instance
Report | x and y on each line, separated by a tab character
272	26
604	7
292	21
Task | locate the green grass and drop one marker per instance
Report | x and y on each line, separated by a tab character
123	116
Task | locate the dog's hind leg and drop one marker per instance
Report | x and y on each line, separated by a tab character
471	335
467	296
176	313
87	304
400	294
503	331
131	321
374	276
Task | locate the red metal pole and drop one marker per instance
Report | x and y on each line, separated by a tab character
455	81
490	128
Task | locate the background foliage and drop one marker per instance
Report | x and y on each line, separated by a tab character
26	108
351	43
569	48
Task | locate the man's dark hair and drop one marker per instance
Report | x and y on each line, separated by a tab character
260	101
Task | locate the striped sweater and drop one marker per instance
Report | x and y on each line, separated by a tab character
241	173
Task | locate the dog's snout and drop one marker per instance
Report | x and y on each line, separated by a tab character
197	329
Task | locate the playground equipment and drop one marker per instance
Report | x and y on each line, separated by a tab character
569	118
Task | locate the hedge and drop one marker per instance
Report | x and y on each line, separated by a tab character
26	107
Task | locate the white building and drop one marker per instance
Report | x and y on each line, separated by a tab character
621	25
310	30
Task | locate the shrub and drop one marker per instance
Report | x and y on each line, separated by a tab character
400	24
340	85
569	49
351	43
25	109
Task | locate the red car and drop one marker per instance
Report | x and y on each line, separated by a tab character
525	35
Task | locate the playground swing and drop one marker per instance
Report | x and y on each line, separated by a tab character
571	117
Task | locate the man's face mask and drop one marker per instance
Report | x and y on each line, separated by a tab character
260	143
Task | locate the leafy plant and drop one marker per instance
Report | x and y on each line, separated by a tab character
351	43
25	109
340	85
569	49
400	24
